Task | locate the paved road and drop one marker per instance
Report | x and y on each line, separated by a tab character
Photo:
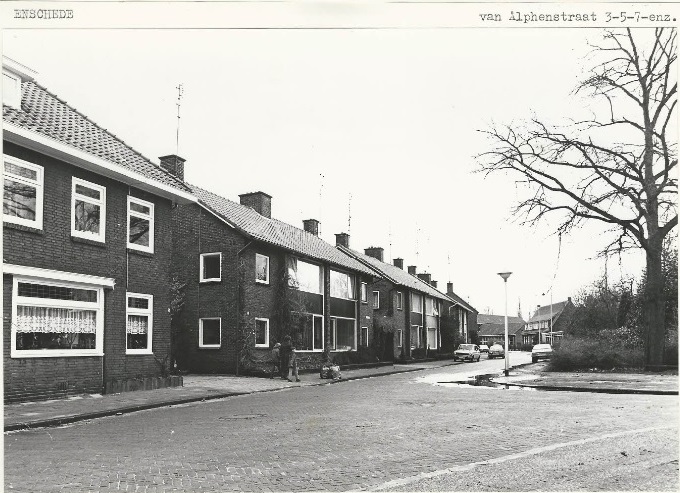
402	432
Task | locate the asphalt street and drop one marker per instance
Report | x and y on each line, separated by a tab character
404	432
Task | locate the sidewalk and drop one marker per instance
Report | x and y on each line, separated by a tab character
206	387
533	375
57	412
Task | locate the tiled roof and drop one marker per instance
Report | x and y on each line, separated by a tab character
495	324
400	276
543	312
44	113
276	232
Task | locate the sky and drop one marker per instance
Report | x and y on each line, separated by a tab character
373	132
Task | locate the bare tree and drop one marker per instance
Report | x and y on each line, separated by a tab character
617	167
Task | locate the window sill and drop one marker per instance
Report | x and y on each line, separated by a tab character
22	227
210	281
141	253
138	353
52	353
210	347
262	283
87	241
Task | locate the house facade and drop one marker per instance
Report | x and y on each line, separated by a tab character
87	247
491	330
408	310
250	279
548	323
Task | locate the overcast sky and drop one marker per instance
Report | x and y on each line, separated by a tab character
312	116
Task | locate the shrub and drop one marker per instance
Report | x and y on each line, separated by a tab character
602	353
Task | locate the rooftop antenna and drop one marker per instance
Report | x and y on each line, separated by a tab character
448	261
389	235
321	177
180	93
417	235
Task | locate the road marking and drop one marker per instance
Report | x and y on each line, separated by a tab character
395	483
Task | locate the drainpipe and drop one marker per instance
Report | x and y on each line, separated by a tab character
238	308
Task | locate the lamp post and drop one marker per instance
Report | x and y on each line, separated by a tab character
505	276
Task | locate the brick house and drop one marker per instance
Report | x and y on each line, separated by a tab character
86	251
458	316
250	279
491	329
540	328
407	307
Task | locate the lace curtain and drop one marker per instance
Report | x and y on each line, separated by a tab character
55	320
137	324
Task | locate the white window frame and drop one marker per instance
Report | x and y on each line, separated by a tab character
364	342
101	202
148	312
266	332
150	217
200	333
436	337
98	307
334	333
400	300
39	190
364	292
413	297
376	300
257	256
200	267
400	337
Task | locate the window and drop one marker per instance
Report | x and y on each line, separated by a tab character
432	338
400	338
140	225
364	336
305	276
139	323
261	332
210	332
88	210
415	336
364	293
416	303
261	268
56	319
431	306
211	267
342	285
22	199
376	299
343	334
400	301
307	332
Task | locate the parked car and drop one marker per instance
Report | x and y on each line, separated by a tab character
469	352
496	351
541	351
483	348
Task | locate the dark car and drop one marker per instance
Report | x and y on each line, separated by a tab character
496	351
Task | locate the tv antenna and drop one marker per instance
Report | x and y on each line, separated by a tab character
180	93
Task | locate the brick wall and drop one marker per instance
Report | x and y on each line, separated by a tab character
54	248
388	319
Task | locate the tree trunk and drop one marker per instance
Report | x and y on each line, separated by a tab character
654	309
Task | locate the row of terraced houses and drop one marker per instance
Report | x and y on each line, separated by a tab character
116	272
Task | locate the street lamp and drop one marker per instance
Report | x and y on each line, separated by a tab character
505	276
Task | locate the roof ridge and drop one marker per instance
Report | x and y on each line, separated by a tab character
87	118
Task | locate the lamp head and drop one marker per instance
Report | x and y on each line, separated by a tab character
505	275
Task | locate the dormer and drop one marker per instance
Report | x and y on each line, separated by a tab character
13	74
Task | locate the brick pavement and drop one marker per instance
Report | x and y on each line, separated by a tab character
354	436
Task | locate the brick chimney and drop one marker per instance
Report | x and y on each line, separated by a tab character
174	165
260	201
412	269
434	284
311	226
375	252
399	262
342	239
449	288
425	277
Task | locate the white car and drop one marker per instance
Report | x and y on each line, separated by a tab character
483	348
541	351
469	352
